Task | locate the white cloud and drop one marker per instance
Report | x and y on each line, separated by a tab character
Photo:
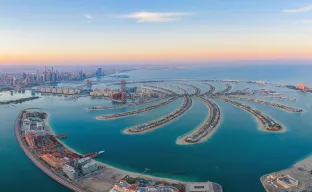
89	17
155	17
302	9
306	21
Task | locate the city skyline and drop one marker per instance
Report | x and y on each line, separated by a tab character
84	32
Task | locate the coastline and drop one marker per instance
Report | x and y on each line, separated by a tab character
117	170
79	184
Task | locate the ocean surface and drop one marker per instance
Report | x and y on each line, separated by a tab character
236	156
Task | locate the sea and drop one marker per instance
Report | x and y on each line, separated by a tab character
236	156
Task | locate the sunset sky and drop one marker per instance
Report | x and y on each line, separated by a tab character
109	31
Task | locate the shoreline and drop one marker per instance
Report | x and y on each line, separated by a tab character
115	169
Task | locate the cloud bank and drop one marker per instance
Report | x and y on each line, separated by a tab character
302	9
155	17
306	21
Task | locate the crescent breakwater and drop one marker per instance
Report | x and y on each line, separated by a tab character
267	123
152	125
22	100
227	89
136	112
163	89
124	105
276	105
180	88
205	130
211	89
197	91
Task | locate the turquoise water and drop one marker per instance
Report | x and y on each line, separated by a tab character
236	156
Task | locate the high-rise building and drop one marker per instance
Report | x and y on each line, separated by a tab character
70	172
123	85
45	74
24	75
89	167
38	76
13	81
99	72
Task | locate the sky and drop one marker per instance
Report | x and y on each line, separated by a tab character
160	31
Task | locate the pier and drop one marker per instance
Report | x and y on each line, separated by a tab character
136	112
205	130
268	123
187	103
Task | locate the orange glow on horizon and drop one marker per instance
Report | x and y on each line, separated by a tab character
181	56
